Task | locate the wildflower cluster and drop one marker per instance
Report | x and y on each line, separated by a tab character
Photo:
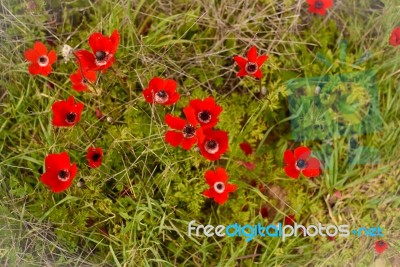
59	172
195	131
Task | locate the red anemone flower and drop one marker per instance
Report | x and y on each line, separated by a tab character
289	220
206	111
80	79
299	162
214	144
161	92
94	156
251	65
219	186
103	52
380	246
319	6
264	212
66	113
40	60
59	172
185	132
246	148
395	37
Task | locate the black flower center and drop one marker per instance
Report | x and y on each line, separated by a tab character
161	96
219	187
63	175
188	131
71	117
211	146
204	116
319	4
381	243
43	60
96	156
100	55
251	67
301	164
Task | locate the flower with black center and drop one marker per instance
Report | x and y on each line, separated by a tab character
94	156
66	113
59	172
251	65
103	52
41	61
161	91
185	132
319	6
214	144
380	246
80	79
300	162
219	186
206	111
395	37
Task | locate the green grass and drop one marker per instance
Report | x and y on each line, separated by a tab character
134	210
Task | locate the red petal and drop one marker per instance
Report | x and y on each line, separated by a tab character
59	112
289	220
115	38
52	57
313	168
211	177
261	60
190	115
241	61
49	178
241	73
175	122
221	198
34	69
222	139
86	60
61	186
31	55
90	75
209	193
258	74
148	95
395	37
222	175
288	157
56	162
230	188
246	148
291	171
302	153
40	48
173	138
252	54
170	86
172	99
187	143
156	84
99	42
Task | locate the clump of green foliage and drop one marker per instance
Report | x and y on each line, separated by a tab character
134	210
